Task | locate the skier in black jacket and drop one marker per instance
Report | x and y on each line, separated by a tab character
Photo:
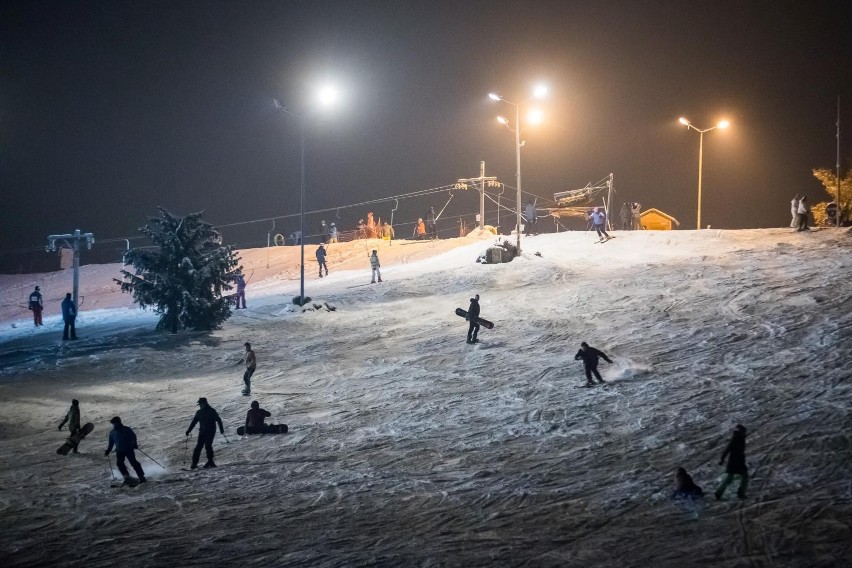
473	318
590	356
207	418
735	452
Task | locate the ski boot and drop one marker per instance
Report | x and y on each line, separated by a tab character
209	465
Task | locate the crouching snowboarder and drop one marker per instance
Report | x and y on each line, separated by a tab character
124	440
590	357
207	419
685	488
735	452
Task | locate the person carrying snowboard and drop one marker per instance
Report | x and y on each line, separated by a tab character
685	488
590	357
241	290
321	259
73	420
473	318
598	218
251	366
124	440
735	452
69	316
375	266
207	419
36	305
255	419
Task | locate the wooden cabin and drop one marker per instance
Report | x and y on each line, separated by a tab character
656	220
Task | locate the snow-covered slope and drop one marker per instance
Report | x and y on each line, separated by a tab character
410	447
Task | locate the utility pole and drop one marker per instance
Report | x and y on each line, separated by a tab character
463	184
72	242
608	207
837	198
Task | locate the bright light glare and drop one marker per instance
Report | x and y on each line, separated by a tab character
540	91
683	121
494	96
535	116
502	120
723	124
328	96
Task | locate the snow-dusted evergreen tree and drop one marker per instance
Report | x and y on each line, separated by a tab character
184	275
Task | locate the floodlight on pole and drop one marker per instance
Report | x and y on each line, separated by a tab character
722	124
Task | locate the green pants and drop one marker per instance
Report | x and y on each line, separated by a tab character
741	492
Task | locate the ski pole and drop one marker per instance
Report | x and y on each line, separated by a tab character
110	467
227	441
152	459
186	450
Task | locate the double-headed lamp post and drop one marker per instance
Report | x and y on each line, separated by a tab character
327	96
539	92
722	124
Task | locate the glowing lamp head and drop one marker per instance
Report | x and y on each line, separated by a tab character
723	124
535	116
494	96
502	120
683	121
540	91
328	96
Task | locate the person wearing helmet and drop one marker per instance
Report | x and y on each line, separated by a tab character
321	253
598	218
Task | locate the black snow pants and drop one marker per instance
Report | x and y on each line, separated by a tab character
130	455
204	441
593	369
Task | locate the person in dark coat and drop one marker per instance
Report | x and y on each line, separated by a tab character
207	419
73	420
685	488
530	216
431	224
36	305
250	360
735	452
321	260
255	418
590	357
473	318
124	440
69	316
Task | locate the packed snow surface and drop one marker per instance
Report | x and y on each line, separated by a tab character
409	447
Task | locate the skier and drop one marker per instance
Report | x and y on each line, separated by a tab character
590	357
255	419
473	318
36	305
332	233
374	264
735	452
251	366
73	420
241	289
321	259
794	211
69	316
685	488
124	440
207	419
529	214
431	223
598	217
803	212
636	208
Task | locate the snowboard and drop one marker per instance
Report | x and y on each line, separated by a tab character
75	439
267	429
483	322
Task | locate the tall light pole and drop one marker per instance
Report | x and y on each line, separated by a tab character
722	124
538	93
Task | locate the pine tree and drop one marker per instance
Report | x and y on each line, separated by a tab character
184	275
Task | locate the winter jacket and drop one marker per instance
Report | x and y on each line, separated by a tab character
685	487
255	417
387	232
430	218
590	356
529	212
321	254
421	228
735	452
35	300
207	418
803	208
473	310
123	438
374	261
241	284
598	217
69	312
72	418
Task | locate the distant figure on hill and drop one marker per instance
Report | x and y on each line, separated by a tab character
124	440
375	266
685	488
323	232
431	223
387	231
241	289
332	233
794	211
637	216
73	420
735	452
321	260
69	316
530	216
590	357
251	365
626	216
803	212
473	318
207	419
598	218
420	229
36	305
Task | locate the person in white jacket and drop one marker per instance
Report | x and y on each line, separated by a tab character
374	264
803	212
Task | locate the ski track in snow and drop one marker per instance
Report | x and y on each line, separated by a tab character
409	447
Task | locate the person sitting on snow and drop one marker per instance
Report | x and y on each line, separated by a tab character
685	488
255	419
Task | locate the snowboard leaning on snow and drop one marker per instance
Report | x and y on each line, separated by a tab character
483	322
75	438
267	429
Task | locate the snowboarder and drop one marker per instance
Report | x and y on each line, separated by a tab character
803	212
794	211
374	264
332	233
124	440
598	217
321	259
685	488
473	318
255	419
69	316
251	365
590	357
241	289
530	216
207	419
637	216
735	452
73	420
36	305
431	223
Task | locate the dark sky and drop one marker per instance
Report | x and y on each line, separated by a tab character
109	109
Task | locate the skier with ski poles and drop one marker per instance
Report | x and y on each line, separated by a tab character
598	218
124	440
207	418
590	357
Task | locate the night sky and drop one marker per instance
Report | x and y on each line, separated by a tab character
110	109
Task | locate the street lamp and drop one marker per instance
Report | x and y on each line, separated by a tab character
540	91
326	96
722	124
